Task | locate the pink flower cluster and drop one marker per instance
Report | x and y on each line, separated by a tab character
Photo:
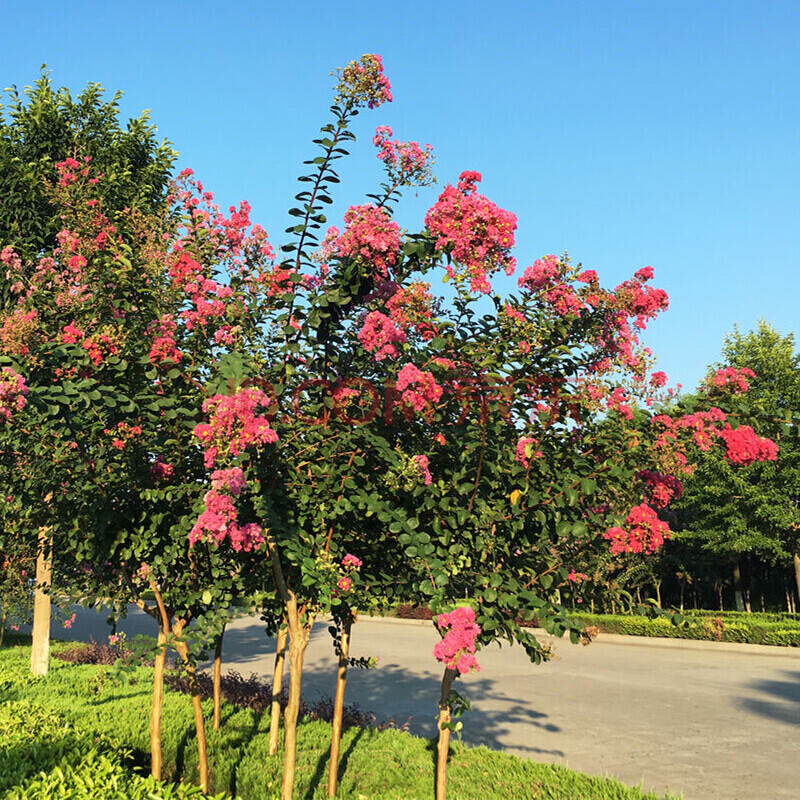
457	648
370	236
234	424
351	562
640	301
744	446
163	347
660	487
379	335
617	402
476	233
407	163
574	577
17	330
12	392
522	446
419	388
644	532
422	464
413	305
363	82
543	272
230	480
161	470
219	521
732	378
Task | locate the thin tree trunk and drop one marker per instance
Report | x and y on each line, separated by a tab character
2	626
683	591
737	587
657	585
299	635
796	560
277	682
443	745
156	759
197	705
40	652
218	681
164	620
338	704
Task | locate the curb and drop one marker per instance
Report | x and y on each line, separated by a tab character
646	641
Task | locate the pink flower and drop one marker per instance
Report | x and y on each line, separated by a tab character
344	583
424	473
457	648
351	562
12	392
233	424
379	335
476	233
644	532
371	237
231	480
363	82
522	446
419	388
745	447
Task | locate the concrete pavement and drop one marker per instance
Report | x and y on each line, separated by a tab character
716	722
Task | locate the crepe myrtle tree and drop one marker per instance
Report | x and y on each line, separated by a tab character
109	352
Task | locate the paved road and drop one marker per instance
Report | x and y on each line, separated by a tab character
718	722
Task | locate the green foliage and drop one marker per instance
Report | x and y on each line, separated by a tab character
745	628
69	732
42	126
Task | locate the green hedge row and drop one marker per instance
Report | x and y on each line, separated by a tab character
781	633
74	715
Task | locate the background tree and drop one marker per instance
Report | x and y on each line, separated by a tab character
750	515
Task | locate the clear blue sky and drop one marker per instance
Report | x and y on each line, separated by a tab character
628	133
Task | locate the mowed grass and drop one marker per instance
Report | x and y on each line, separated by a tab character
96	723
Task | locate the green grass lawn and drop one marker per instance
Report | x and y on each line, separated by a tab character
81	732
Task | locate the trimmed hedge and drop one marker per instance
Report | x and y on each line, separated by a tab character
84	710
747	629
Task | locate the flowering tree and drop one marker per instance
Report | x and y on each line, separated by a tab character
326	411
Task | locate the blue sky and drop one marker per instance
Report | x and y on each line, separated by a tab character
627	133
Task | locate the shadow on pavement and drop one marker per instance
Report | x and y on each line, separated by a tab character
782	699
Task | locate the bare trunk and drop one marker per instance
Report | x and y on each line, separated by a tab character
218	680
443	745
683	590
277	682
299	634
738	597
796	559
2	627
338	705
657	585
40	652
197	705
156	760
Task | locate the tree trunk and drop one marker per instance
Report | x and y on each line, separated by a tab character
2	627
277	682
156	760
683	591
299	634
657	585
737	587
40	652
338	704
218	680
443	745
796	559
197	705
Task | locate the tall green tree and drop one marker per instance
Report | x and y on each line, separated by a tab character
41	126
752	514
